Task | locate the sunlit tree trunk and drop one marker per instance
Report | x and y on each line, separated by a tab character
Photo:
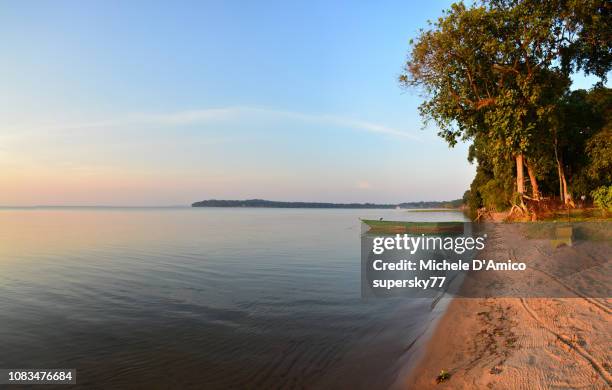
535	192
564	193
559	169
520	178
560	173
567	196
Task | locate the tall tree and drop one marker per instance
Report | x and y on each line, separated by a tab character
498	69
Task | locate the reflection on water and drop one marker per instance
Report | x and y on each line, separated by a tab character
197	298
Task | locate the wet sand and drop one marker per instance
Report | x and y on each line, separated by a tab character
525	343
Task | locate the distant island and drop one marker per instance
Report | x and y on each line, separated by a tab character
319	205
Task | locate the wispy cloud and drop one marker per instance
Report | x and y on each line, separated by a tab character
208	115
334	120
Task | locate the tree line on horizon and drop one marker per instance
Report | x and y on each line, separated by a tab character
322	205
497	74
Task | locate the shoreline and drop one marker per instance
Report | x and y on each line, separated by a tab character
506	343
420	345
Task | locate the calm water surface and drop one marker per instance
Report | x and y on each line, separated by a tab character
200	298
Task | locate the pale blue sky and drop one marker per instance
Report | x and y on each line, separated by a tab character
156	103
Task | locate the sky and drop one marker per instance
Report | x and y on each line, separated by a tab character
166	103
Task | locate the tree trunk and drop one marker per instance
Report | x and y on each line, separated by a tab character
559	172
520	178
566	194
535	192
566	197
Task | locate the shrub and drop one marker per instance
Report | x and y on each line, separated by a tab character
602	197
494	196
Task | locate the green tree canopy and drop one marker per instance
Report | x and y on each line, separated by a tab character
494	73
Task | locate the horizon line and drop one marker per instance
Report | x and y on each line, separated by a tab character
189	205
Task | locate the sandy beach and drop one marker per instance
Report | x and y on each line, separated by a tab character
526	343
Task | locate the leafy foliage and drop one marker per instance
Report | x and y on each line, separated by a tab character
602	197
497	74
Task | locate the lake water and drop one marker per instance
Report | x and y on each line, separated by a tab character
200	298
